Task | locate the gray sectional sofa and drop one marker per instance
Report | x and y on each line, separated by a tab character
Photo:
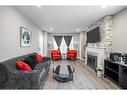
12	78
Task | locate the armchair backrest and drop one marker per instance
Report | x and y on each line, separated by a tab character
72	51
55	52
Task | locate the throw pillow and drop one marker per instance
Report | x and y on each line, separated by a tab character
34	59
27	67
39	58
22	66
30	62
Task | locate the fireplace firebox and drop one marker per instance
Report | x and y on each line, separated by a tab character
92	61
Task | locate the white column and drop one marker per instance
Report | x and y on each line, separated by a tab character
82	43
41	43
45	43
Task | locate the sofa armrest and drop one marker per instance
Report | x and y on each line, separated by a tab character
46	59
40	66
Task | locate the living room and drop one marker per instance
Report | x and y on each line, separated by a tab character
63	47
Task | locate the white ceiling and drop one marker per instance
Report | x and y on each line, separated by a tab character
66	19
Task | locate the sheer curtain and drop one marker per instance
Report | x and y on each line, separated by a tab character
63	46
58	40
68	41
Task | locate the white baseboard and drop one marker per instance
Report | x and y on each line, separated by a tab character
81	58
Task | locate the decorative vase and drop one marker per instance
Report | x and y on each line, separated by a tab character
99	73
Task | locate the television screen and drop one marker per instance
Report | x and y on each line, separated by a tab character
93	36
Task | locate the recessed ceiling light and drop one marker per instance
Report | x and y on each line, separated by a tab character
104	6
39	5
77	29
51	29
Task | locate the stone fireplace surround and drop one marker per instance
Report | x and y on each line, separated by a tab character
99	53
104	47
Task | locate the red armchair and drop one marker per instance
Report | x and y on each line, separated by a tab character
55	54
71	54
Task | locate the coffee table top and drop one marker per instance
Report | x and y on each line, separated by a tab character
63	72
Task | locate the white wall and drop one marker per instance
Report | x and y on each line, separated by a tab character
120	32
10	22
45	40
41	46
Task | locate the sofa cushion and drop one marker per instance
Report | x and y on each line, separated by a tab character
39	58
23	66
30	62
34	59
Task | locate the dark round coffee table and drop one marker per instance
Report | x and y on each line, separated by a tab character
63	77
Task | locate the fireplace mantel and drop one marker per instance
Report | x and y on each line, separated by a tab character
96	51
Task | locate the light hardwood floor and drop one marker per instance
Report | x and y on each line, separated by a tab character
84	78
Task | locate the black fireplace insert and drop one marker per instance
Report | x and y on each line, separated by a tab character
92	61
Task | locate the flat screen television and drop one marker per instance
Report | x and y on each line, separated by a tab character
93	36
